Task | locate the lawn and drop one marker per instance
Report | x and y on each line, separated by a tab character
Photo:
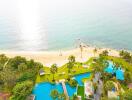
62	73
80	91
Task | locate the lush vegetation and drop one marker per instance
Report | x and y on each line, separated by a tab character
74	97
126	56
108	86
109	80
56	95
127	95
17	76
126	66
62	73
72	82
53	70
22	90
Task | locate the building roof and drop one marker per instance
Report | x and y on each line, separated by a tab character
4	96
41	72
130	85
88	88
112	94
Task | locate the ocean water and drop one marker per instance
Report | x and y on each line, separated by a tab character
40	25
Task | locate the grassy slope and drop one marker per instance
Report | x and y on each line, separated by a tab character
59	75
77	69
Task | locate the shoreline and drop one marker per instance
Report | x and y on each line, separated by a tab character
47	58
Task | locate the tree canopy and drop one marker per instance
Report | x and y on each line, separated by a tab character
53	69
16	61
127	95
104	53
71	59
54	94
22	90
71	62
109	85
126	55
3	58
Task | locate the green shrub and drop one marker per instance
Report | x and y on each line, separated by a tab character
26	76
72	83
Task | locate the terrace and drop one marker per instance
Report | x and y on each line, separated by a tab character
80	73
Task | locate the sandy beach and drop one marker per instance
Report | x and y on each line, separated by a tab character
59	57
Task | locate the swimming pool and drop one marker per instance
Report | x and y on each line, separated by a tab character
118	71
42	90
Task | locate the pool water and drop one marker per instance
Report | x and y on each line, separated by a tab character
109	69
70	90
118	71
119	74
80	77
42	90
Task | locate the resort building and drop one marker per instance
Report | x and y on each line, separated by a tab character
41	72
130	85
112	94
4	96
88	90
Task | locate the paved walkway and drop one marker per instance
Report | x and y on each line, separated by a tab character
64	88
98	93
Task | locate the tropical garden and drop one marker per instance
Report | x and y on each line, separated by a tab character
18	75
109	81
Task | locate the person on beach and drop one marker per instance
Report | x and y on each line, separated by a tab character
60	54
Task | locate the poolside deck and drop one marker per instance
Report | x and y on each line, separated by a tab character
64	88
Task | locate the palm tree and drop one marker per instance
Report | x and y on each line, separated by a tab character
53	69
104	53
62	96
54	94
69	66
71	62
95	51
71	59
121	53
99	65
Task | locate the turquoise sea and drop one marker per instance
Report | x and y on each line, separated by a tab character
54	25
